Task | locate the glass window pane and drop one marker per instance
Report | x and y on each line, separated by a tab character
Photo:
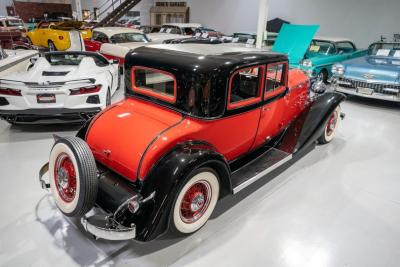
245	84
154	81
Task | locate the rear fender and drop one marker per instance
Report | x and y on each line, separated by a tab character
317	117
168	175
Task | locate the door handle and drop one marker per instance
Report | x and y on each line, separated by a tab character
266	109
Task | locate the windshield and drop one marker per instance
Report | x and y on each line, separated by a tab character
128	38
385	50
14	23
73	59
321	48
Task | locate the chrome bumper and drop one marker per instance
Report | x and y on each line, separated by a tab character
103	226
374	95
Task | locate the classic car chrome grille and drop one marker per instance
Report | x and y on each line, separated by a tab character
377	87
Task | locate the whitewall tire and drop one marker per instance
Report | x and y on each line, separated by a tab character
196	201
331	127
73	176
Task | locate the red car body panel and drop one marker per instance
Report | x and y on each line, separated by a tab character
138	133
92	46
120	136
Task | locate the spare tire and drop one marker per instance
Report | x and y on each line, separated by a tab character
73	176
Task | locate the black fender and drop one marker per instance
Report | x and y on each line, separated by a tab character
165	179
317	117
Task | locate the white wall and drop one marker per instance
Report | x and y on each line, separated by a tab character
361	20
3	4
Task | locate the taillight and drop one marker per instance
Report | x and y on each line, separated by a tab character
8	91
86	90
61	37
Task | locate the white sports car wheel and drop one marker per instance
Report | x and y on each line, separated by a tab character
195	201
73	177
331	127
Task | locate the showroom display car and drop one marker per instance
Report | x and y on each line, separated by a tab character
115	42
199	122
173	31
59	36
59	87
323	53
376	75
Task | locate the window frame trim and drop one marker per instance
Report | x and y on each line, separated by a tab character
250	101
277	91
147	91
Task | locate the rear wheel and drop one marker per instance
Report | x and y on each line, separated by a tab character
73	176
51	46
195	201
331	127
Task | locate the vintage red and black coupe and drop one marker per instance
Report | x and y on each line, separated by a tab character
199	122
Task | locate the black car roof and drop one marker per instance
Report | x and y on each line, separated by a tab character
201	58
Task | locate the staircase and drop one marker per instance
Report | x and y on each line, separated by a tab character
123	6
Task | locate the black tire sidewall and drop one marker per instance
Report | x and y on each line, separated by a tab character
171	225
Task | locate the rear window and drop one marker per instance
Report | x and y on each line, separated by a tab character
154	83
73	59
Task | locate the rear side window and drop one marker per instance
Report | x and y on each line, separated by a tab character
345	47
154	83
245	87
276	74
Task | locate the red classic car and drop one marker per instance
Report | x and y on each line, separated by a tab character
115	42
199	122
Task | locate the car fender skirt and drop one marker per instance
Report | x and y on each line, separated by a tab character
165	179
317	116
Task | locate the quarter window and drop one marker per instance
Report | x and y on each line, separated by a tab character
275	77
154	83
100	37
245	87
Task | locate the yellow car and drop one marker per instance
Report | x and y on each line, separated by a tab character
59	36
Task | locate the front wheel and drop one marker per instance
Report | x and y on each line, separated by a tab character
195	201
330	127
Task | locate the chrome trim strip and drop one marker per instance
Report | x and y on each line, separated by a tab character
261	174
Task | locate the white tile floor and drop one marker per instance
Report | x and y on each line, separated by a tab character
338	206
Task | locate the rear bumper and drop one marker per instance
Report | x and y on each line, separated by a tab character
41	116
115	202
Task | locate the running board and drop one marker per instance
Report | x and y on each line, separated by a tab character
258	168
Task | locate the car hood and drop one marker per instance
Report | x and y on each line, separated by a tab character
120	135
294	41
373	69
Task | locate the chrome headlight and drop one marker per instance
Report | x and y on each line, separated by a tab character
307	63
338	69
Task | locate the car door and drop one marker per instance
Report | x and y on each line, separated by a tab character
272	117
234	134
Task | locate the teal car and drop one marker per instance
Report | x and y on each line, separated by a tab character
323	53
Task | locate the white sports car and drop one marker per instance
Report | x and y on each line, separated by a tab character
59	87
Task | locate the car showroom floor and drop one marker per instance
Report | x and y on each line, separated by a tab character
337	206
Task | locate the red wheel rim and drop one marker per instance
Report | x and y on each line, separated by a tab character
195	202
330	127
65	178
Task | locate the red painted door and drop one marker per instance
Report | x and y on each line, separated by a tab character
272	113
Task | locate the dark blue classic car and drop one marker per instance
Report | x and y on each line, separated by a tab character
376	75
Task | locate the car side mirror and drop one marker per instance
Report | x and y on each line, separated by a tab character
319	87
33	60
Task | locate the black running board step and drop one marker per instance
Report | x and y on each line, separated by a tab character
258	168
